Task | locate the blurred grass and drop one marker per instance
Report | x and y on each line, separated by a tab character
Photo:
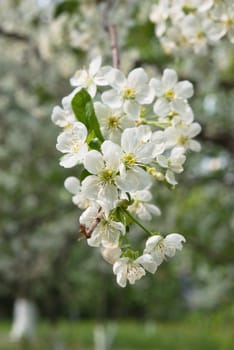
206	332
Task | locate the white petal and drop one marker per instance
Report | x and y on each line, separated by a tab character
115	78
152	242
95	65
57	116
112	98
72	184
111	154
161	107
137	77
108	196
93	162
156	85
91	186
69	160
132	109
169	79
146	260
194	146
170	177
184	89
172	242
194	129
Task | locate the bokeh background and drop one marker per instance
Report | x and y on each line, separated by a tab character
189	303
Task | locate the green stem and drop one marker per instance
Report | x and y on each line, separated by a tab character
160	125
137	222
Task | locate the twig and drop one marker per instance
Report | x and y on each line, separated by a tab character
111	28
87	233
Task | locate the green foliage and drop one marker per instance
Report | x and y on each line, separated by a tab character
82	106
203	333
68	6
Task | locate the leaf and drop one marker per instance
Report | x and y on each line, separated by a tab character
68	6
84	173
82	106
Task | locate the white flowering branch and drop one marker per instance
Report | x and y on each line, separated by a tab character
122	148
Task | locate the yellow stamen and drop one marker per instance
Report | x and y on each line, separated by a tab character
129	93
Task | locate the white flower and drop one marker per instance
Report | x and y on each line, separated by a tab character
89	79
182	135
173	164
126	269
130	270
72	142
111	254
148	263
178	108
106	232
72	185
112	121
159	15
141	207
101	186
169	88
130	92
223	15
137	149
63	117
160	248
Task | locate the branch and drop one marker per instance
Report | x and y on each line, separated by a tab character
111	28
14	35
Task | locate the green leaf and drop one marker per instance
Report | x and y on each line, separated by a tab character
82	106
84	173
68	6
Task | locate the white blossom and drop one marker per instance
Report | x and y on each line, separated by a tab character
72	185
72	143
104	167
112	121
63	117
160	247
126	269
141	206
89	79
173	164
130	92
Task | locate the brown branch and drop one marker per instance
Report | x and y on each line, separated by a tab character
14	35
114	44
87	233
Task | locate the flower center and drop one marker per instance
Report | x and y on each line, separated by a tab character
228	21
129	159
169	94
75	147
129	93
113	122
107	176
182	140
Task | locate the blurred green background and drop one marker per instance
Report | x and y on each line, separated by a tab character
189	303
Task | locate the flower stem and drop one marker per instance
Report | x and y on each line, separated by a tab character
160	125
137	221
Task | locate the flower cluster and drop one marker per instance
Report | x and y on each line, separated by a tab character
124	133
192	23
